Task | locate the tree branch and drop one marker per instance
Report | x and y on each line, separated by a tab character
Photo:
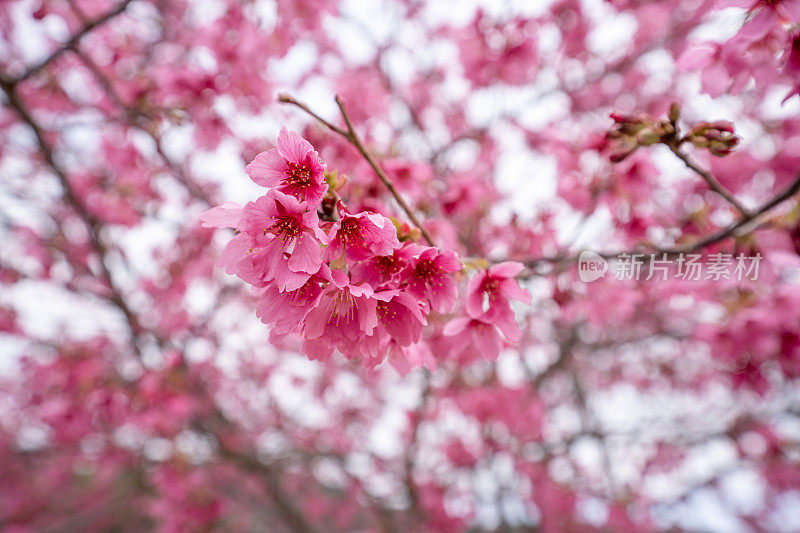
72	42
714	238
709	178
353	138
93	225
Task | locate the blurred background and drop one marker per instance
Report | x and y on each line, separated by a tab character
139	390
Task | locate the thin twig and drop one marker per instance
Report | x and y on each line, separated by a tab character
714	238
93	225
287	509
288	99
410	460
709	178
353	138
72	42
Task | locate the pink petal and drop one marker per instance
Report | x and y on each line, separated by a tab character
285	204
268	298
292	146
427	253
413	306
339	278
508	269
307	255
474	301
286	280
248	272
256	215
317	318
455	326
505	321
334	249
371	347
226	215
235	251
311	221
792	9
448	261
759	25
386	295
419	355
360	291
316	349
417	287
378	220
487	340
511	290
268	169
443	297
368	317
697	56
715	80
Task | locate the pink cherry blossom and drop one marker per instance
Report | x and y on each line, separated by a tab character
288	238
361	236
292	167
400	315
479	337
286	309
380	270
429	276
322	363
342	316
489	293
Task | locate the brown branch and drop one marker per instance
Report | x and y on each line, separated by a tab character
592	427
72	42
410	459
288	99
353	138
216	423
709	178
289	513
714	238
565	349
93	225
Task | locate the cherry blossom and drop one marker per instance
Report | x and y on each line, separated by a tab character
315	265
428	276
489	293
292	167
283	228
344	314
361	236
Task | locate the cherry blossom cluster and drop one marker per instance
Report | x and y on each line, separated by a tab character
137	389
345	280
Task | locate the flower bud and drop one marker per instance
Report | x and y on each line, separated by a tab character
674	112
719	148
718	137
648	136
666	127
722	125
